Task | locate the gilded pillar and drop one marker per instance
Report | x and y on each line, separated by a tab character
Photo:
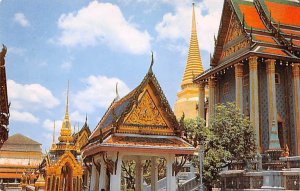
211	104
272	114
254	109
296	96
201	100
239	86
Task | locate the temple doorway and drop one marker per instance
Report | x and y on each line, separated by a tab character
67	175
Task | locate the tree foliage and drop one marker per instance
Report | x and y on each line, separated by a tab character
229	138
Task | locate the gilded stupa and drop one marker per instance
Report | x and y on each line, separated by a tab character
187	98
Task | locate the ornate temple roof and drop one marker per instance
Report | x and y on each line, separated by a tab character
142	121
117	111
194	64
263	28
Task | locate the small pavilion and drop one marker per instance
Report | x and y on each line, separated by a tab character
140	126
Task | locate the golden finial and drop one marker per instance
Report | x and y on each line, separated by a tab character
67	102
53	140
151	64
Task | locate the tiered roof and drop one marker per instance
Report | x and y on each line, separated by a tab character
264	28
142	121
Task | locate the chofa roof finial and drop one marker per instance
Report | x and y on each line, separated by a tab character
152	62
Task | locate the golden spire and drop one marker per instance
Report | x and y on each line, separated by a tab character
194	63
53	139
66	130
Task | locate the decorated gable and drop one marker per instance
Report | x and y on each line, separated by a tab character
234	37
146	115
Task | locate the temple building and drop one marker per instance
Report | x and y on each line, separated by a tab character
4	106
140	126
256	65
62	167
81	139
19	155
187	98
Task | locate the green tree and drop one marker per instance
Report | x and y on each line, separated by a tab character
228	139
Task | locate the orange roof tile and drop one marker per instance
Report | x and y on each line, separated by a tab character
267	39
273	51
284	13
293	32
296	42
252	18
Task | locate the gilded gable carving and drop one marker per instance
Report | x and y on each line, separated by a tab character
146	113
234	31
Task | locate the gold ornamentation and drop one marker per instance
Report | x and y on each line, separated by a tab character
238	70
296	70
253	63
146	113
270	66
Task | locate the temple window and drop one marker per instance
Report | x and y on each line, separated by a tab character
246	80
226	88
277	78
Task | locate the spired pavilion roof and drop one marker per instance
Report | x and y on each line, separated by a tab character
142	121
263	28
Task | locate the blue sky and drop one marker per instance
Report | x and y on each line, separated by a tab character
93	44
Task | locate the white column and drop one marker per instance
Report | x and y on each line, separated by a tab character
102	179
171	178
115	179
154	174
138	174
93	177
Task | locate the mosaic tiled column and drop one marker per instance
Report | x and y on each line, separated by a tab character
239	86
102	178
254	109
154	174
211	104
201	100
93	177
171	178
115	178
296	96
138	174
272	108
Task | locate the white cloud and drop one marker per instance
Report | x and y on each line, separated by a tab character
49	125
30	96
23	116
177	25
99	93
66	66
76	116
21	19
16	50
102	23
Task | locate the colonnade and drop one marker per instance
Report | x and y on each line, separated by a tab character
115	172
254	95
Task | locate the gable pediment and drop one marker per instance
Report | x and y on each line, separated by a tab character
235	38
147	116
